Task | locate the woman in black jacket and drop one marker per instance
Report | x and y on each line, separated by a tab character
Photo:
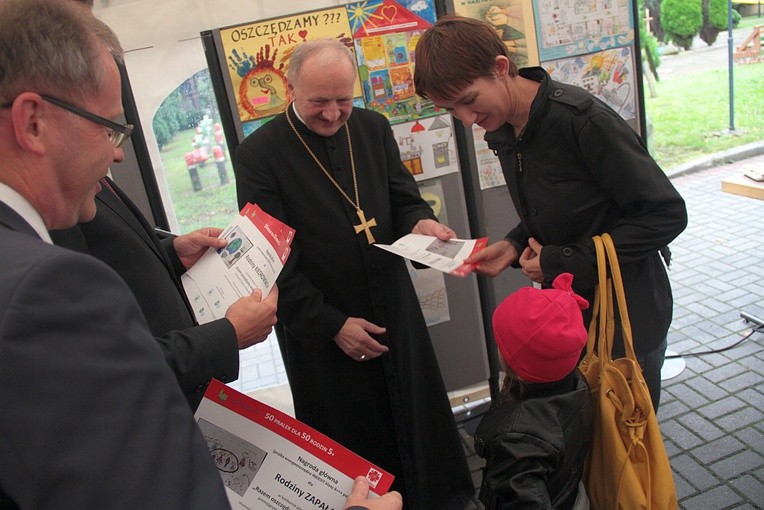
574	169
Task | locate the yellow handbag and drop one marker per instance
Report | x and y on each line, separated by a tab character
627	465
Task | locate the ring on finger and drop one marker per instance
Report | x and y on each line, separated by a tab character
363	357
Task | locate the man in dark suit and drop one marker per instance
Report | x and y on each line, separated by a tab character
124	239
92	416
120	236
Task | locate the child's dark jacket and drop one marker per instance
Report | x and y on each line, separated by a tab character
535	445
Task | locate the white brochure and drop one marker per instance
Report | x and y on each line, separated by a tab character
258	246
447	256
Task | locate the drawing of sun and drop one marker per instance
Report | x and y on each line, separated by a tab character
361	13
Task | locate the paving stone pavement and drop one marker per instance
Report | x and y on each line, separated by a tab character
712	414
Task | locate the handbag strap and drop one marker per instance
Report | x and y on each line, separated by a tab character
596	326
615	273
606	323
602	325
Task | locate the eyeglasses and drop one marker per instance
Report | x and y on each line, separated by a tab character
118	133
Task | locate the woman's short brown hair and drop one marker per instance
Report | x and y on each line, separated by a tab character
455	52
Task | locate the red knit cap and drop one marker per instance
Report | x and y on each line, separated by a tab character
541	332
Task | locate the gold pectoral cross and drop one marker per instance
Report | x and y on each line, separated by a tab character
365	225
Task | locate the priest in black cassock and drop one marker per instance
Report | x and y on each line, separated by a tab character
358	356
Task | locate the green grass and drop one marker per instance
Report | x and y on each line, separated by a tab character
691	115
214	205
751	21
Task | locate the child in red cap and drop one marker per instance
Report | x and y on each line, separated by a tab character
536	435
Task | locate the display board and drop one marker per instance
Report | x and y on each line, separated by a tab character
248	64
590	44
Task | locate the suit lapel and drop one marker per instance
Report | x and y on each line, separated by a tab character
116	200
123	207
13	221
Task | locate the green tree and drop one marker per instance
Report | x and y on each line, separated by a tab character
185	106
648	42
681	20
714	20
654	10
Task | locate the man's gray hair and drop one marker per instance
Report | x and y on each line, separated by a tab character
328	49
52	47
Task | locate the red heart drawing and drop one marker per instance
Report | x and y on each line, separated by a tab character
389	12
303	34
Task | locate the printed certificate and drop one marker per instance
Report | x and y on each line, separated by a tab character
269	460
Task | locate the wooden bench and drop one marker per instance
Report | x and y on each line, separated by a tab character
749	51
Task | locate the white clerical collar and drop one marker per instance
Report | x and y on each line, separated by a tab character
297	114
23	208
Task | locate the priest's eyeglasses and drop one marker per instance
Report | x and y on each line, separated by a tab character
117	133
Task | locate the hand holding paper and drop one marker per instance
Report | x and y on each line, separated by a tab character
359	497
433	228
253	317
258	245
447	256
191	246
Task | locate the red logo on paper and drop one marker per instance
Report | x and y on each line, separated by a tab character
374	477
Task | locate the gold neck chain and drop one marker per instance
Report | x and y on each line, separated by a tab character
364	226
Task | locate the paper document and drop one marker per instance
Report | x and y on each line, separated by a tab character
447	256
258	246
269	460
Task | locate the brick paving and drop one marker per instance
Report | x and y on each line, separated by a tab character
712	414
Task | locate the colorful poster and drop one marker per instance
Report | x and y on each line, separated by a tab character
490	174
428	147
574	27
258	55
608	74
512	20
385	33
382	33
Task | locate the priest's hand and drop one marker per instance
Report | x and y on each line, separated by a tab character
433	228
359	498
355	341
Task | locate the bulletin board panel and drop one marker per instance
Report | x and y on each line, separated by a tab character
250	60
590	44
459	342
